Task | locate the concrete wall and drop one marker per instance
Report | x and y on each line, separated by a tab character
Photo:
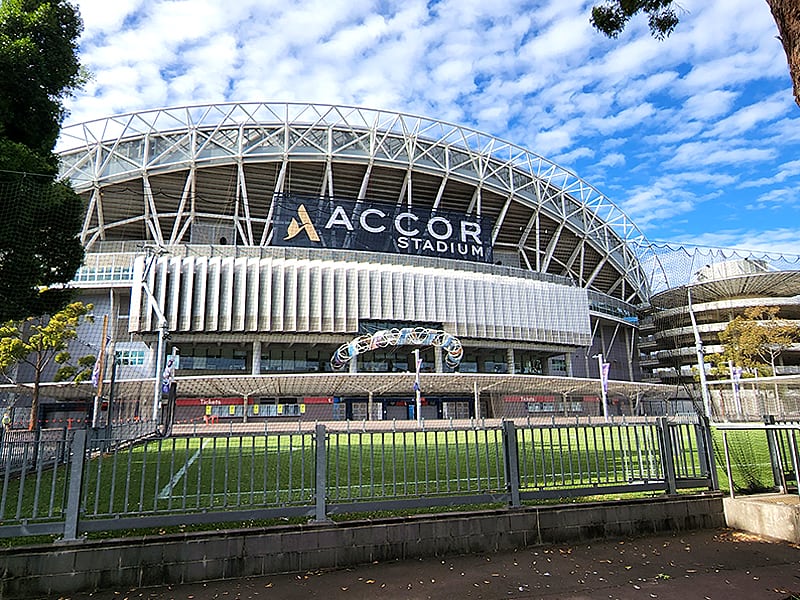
50	570
771	515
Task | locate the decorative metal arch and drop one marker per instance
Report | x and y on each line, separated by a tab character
407	336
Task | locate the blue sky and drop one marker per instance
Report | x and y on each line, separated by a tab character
696	138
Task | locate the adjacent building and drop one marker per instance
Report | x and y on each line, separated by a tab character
717	294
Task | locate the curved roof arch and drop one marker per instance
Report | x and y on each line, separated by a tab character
153	174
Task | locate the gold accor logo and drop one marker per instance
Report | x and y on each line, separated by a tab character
305	224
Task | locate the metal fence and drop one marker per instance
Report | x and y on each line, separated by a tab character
749	399
760	456
82	482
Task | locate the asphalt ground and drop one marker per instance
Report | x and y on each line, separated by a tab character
712	564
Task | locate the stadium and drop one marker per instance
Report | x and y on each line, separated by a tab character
253	243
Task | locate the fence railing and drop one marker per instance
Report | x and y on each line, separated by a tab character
82	483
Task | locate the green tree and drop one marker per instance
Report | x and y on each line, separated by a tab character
40	341
41	218
757	338
612	16
39	67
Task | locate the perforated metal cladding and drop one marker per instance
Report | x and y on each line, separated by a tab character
279	295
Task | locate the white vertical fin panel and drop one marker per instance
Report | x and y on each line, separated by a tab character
265	295
303	296
186	294
252	292
173	281
278	267
363	291
226	294
451	310
375	300
387	299
199	302
328	300
290	297
340	297
351	302
463	312
212	298
490	314
399	295
314	296
502	306
239	305
427	297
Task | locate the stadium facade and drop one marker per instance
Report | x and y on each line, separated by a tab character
256	239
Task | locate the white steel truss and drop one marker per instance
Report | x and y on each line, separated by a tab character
567	226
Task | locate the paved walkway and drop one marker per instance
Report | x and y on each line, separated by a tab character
717	564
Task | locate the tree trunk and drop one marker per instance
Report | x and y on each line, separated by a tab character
787	16
33	421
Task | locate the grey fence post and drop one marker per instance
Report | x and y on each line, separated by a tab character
512	462
77	458
775	455
322	472
705	450
667	457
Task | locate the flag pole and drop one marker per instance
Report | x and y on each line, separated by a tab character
417	363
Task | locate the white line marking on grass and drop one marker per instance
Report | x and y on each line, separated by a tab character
167	491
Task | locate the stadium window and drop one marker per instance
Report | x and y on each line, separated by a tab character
130	357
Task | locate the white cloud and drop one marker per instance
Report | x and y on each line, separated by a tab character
612	159
708	154
709	105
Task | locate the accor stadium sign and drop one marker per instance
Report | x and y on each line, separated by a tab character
380	227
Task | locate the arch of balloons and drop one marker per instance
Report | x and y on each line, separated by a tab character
407	336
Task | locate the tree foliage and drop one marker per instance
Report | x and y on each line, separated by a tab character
756	339
39	68
612	16
41	218
39	342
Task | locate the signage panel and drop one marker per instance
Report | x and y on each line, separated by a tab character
380	227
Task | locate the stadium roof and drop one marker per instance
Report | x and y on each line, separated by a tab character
164	175
769	284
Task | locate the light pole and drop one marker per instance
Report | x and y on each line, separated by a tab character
603	383
162	330
701	365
